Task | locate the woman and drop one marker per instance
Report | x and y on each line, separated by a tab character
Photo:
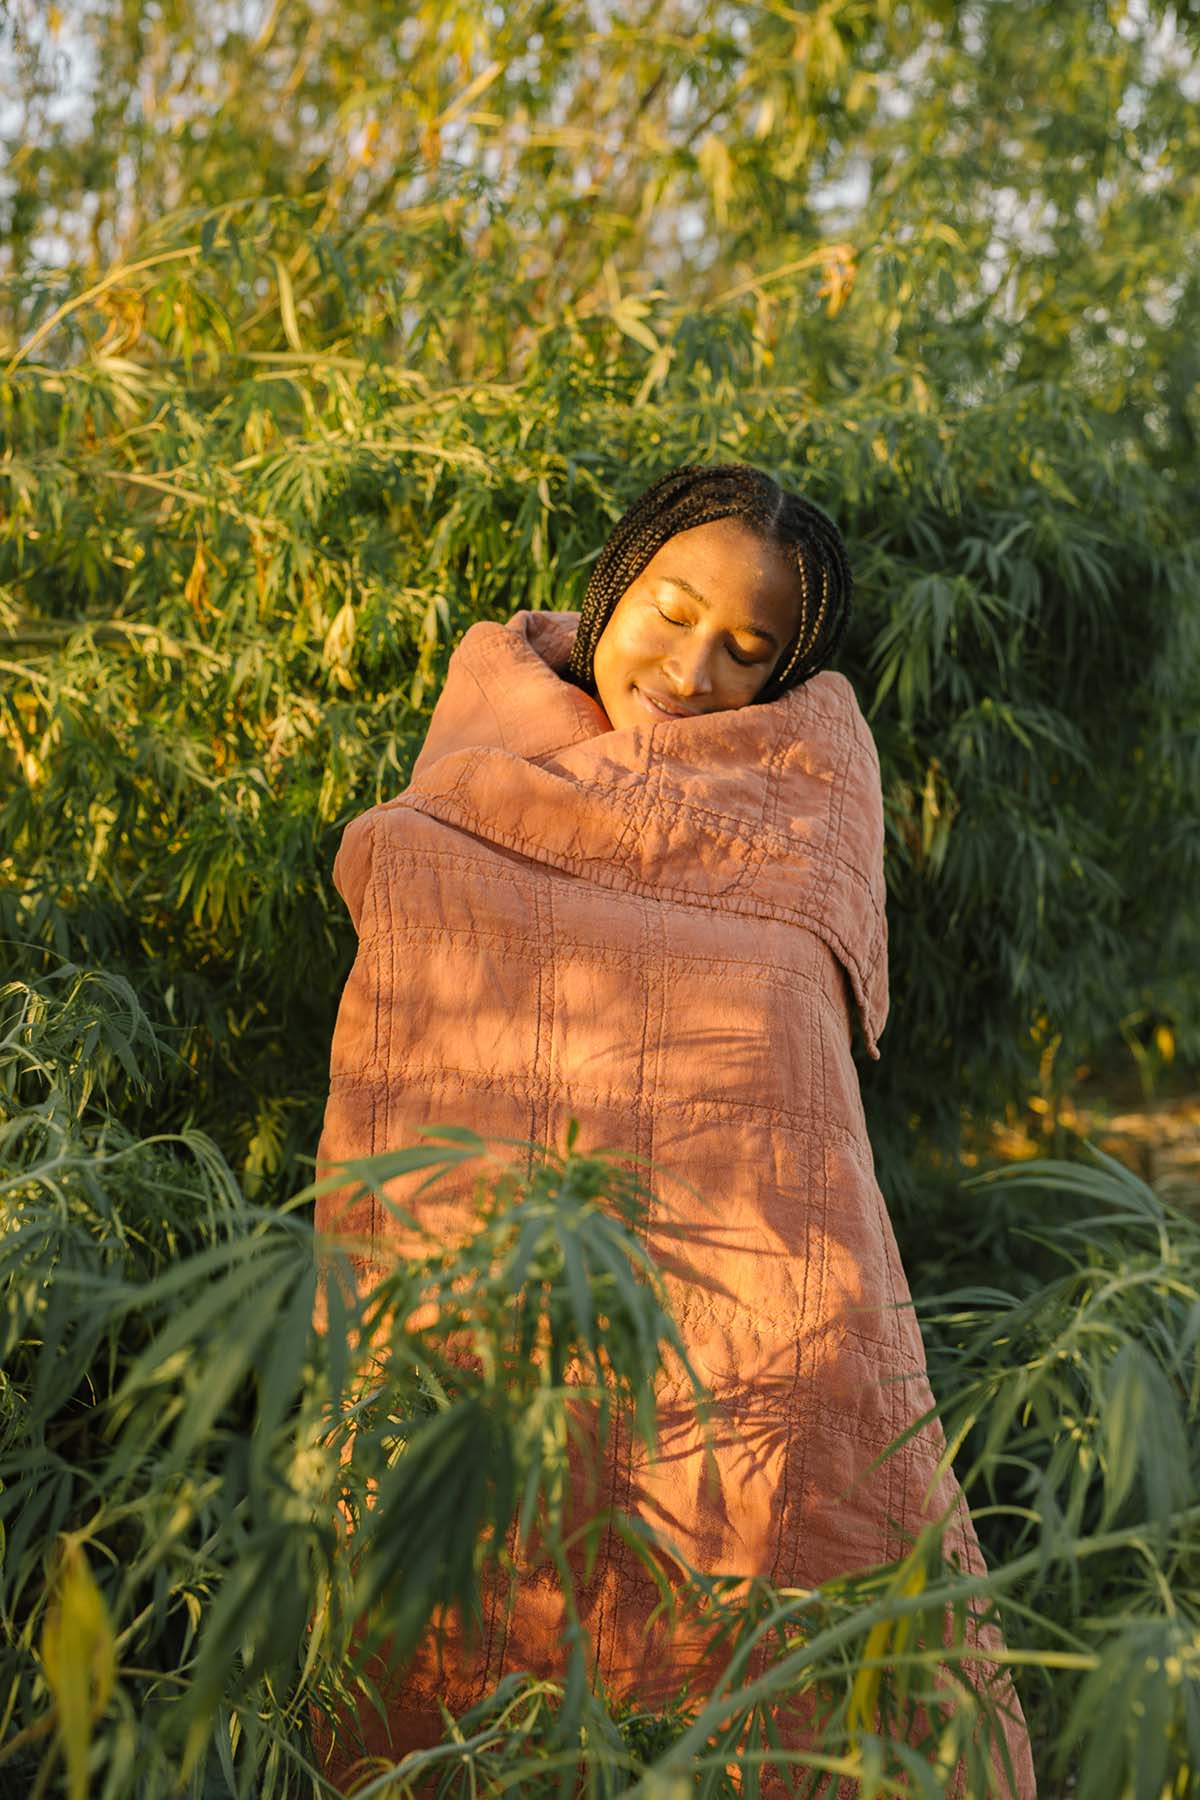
639	870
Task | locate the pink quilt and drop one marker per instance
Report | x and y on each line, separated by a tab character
666	933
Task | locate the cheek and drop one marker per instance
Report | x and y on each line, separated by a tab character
626	642
603	656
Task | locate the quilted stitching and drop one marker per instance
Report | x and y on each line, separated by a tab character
660	951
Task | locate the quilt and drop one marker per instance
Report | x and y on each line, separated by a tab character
670	933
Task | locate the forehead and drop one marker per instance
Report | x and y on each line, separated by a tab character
733	569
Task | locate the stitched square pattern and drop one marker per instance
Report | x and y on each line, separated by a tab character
459	964
733	1032
663	934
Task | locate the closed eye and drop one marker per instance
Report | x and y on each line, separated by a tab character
744	662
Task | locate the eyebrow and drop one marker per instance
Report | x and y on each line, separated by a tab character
757	631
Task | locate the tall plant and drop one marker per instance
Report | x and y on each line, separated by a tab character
182	1598
398	366
182	1452
229	597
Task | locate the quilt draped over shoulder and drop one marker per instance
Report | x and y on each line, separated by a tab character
667	934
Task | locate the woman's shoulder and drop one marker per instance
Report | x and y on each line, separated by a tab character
832	697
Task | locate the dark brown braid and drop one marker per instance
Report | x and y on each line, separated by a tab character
696	495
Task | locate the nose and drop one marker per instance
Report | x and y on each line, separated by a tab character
689	667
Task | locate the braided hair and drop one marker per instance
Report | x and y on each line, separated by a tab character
696	495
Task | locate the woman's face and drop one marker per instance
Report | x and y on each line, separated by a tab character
701	628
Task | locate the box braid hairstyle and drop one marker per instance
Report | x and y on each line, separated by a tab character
695	495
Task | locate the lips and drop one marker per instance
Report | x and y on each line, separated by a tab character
661	708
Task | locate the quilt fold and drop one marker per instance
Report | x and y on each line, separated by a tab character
666	933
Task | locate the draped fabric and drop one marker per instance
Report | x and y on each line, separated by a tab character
666	933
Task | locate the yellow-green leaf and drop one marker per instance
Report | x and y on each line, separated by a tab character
716	166
287	305
888	1636
80	1661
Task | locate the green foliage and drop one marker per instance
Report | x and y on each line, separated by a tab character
171	1417
395	362
267	456
1073	1404
201	1495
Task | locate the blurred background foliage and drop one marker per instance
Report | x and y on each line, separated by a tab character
325	332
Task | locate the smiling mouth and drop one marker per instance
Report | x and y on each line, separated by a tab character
662	709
